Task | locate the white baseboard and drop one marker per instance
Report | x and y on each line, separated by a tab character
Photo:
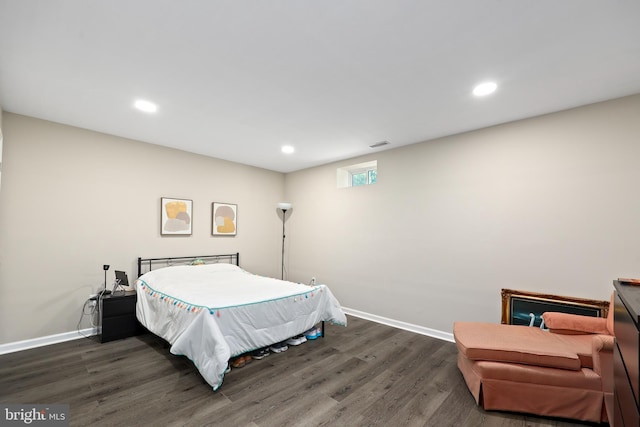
400	325
68	336
48	340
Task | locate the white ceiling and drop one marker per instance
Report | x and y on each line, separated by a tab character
238	79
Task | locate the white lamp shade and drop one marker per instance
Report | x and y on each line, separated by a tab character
284	206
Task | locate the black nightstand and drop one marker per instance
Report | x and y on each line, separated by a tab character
119	316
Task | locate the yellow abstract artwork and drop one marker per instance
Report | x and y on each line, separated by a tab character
176	216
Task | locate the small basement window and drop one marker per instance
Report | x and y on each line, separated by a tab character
359	174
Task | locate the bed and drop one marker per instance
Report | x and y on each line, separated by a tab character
210	310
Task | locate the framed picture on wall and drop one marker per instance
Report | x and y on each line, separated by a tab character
224	219
176	217
526	308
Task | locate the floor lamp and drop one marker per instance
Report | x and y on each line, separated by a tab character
284	207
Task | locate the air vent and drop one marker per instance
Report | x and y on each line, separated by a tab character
379	144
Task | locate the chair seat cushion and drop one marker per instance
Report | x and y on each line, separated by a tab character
583	378
582	345
515	344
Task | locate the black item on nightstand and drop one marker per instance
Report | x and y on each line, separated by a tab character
119	316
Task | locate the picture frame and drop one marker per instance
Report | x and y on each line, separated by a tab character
526	308
224	219
176	217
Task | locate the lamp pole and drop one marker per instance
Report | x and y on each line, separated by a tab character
284	207
284	213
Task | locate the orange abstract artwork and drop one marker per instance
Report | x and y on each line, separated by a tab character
224	219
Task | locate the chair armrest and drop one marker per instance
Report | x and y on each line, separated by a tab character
602	343
565	323
602	352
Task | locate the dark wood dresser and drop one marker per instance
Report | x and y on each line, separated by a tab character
626	360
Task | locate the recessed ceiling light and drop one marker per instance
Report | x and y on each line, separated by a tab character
485	89
146	106
287	149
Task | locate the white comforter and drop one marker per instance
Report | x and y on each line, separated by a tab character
213	312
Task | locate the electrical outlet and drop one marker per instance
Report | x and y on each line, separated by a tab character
313	280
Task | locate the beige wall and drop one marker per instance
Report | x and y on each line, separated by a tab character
0	146
73	200
549	204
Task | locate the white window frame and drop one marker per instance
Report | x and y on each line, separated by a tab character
345	174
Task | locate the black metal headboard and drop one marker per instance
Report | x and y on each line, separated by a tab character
184	260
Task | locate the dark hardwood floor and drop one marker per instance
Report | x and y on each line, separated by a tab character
364	375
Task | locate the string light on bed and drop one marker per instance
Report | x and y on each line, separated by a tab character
284	207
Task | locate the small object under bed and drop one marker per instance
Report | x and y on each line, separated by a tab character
211	312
